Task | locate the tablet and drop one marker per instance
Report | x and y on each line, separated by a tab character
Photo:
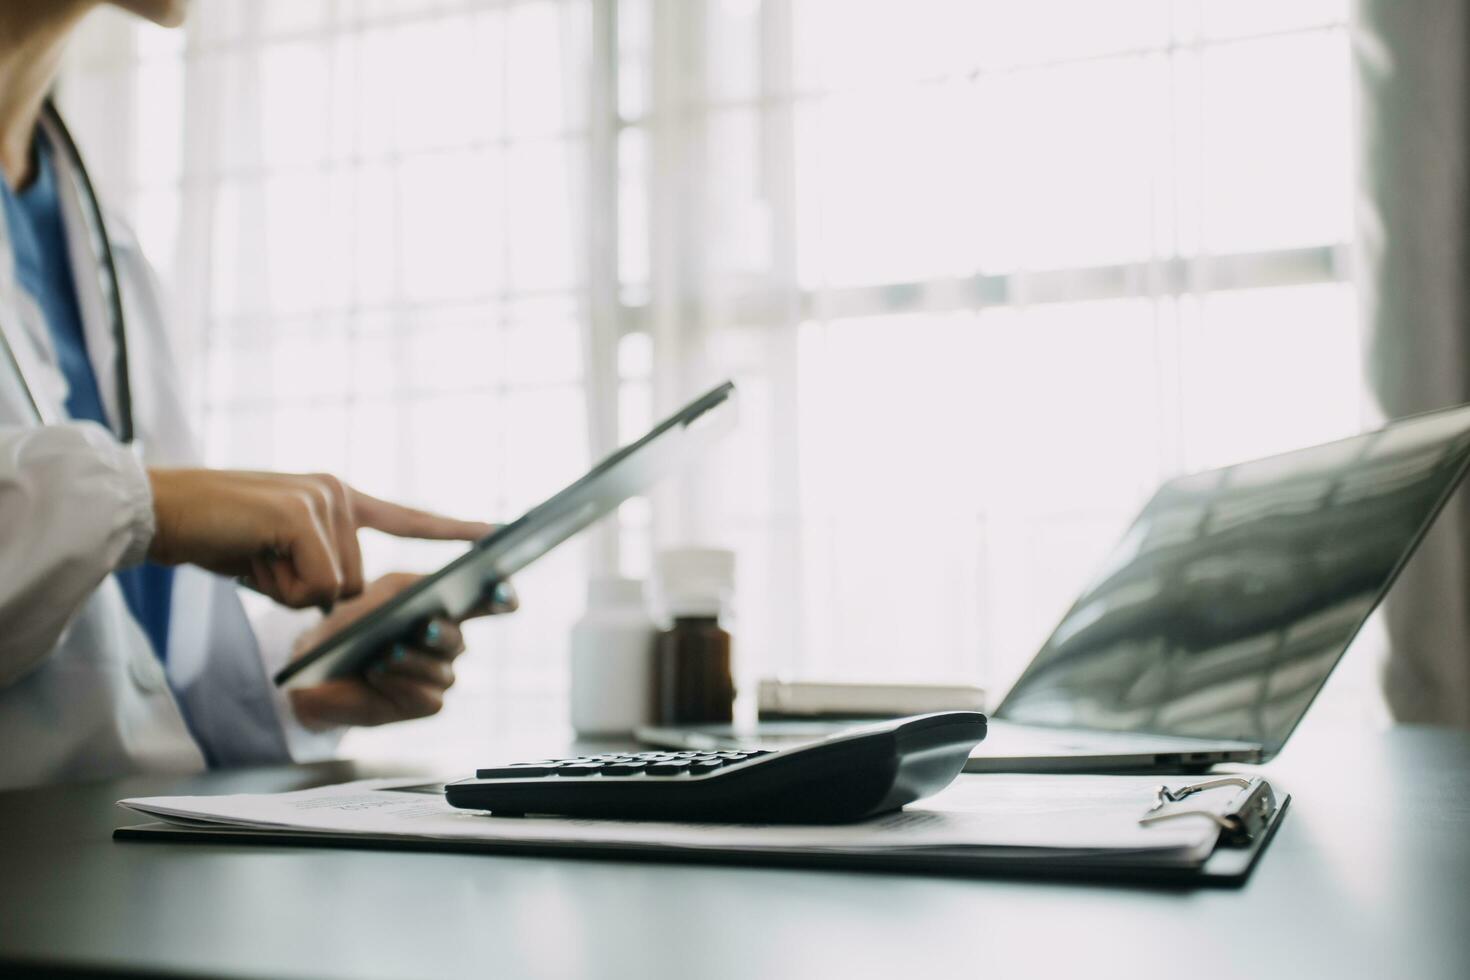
458	587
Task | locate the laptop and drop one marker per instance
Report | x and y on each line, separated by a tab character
1218	617
1216	620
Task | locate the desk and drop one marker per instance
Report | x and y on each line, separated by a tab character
1381	889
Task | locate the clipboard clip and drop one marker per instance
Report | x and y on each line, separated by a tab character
1240	821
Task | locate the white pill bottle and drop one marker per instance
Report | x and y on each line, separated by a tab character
612	660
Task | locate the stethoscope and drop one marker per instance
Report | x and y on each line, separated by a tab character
107	277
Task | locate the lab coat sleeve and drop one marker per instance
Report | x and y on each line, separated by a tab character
74	506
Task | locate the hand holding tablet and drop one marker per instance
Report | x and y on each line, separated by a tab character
462	586
409	681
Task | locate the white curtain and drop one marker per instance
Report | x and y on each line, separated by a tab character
1414	76
984	273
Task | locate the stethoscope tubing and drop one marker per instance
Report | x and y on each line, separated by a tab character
107	276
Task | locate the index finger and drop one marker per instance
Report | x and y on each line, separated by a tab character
409	522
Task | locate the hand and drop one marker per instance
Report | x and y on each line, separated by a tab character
293	538
408	682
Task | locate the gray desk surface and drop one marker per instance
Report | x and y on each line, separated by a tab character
1369	876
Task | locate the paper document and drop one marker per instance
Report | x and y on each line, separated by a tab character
993	815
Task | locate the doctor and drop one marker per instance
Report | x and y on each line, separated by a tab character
123	642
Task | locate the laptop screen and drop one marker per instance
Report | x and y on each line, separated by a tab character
1235	592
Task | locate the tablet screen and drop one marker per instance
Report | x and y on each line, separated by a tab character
461	585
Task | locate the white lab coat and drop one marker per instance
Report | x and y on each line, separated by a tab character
81	693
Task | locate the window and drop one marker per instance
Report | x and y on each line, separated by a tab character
984	272
988	272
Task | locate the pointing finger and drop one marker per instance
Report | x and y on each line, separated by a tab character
408	522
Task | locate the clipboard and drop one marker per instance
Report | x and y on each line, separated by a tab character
1247	822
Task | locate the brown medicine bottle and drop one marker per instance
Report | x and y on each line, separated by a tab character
693	675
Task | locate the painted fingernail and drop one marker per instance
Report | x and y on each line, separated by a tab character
504	595
399	653
432	632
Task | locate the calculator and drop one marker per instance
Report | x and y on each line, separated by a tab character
846	777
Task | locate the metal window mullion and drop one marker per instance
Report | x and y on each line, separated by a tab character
198	189
676	240
1172	277
602	324
784	572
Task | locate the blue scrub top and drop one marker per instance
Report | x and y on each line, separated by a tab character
43	268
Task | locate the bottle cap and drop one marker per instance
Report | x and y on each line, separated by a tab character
695	581
605	592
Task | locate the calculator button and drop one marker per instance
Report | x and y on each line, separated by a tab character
519	771
624	768
668	768
580	769
709	765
